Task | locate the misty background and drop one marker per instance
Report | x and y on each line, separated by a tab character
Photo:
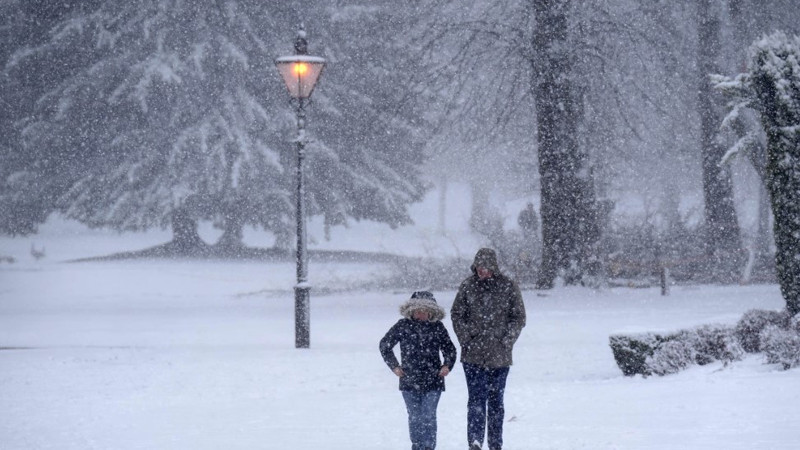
170	114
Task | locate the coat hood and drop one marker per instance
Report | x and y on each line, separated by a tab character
422	300
487	258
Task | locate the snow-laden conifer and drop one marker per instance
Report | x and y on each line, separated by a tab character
165	112
771	86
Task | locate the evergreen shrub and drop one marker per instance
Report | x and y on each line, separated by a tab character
672	356
715	343
749	327
776	334
782	345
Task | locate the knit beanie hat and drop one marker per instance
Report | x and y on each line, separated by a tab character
422	300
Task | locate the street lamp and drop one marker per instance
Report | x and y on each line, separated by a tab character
300	72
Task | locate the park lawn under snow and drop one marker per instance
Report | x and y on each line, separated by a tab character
200	355
194	355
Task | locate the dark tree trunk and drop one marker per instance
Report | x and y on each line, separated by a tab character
231	243
232	234
185	239
723	244
784	186
568	206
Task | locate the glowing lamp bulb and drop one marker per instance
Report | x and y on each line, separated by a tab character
300	69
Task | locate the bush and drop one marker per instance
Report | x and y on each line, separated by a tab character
782	345
748	330
716	343
631	352
671	357
650	353
777	334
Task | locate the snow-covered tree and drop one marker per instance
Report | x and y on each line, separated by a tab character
162	119
570	226
771	86
365	160
748	20
558	85
167	112
722	227
25	203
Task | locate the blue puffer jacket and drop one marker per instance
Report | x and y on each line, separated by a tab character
420	345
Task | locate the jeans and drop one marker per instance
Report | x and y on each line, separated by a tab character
486	387
421	407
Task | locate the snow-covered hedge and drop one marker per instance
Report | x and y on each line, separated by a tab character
771	332
631	351
782	345
753	322
662	354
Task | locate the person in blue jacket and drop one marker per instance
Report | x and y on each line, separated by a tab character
422	338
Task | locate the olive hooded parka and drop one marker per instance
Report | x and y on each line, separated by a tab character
488	315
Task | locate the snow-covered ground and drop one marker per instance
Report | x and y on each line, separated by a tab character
200	355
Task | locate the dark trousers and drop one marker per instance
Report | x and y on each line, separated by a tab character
485	405
421	407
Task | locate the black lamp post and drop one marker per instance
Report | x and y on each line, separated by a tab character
300	72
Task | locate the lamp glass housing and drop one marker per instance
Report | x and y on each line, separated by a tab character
300	73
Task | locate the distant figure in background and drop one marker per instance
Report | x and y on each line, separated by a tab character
488	316
528	221
37	254
422	337
527	253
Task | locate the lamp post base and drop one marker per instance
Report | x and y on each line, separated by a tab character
302	317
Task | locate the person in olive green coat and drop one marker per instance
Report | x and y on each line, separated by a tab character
488	316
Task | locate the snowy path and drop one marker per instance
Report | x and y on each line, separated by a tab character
199	355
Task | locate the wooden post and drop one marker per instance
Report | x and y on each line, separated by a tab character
664	279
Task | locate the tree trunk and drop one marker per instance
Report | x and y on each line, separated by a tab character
568	205
765	262
723	244
185	239
231	240
784	187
